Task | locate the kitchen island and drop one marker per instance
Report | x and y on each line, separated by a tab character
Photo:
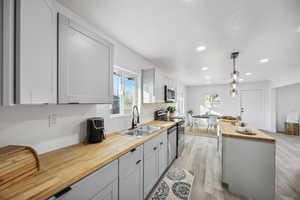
248	162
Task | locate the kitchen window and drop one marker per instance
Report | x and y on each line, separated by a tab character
180	103
124	91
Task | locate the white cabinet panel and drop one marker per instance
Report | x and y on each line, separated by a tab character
163	153
151	171
148	86
153	81
248	166
36	51
131	175
102	185
128	162
1	51
108	193
7	53
85	65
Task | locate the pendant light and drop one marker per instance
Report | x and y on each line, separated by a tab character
235	75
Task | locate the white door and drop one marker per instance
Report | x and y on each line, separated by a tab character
252	108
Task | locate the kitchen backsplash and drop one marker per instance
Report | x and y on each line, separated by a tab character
49	127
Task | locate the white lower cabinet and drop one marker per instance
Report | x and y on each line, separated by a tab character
101	185
155	161
163	153
131	175
109	193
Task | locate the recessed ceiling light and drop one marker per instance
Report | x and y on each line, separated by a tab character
241	80
204	68
201	48
207	77
248	73
264	60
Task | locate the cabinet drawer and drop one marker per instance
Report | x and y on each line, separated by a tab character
92	184
151	145
128	161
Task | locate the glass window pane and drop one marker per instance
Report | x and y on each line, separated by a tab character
129	93
116	106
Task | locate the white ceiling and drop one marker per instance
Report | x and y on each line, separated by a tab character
167	32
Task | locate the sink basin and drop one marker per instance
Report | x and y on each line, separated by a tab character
142	131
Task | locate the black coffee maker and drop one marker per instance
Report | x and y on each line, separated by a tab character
95	130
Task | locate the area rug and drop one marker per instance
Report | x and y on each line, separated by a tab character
176	185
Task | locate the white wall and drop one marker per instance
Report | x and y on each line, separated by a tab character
28	125
288	100
195	98
230	105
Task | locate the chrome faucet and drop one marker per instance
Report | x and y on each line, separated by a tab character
134	122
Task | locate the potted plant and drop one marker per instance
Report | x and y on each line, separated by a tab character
171	110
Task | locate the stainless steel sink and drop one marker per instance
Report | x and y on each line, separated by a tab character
142	131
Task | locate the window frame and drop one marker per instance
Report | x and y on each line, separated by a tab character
123	72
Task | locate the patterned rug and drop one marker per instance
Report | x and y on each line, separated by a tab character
176	185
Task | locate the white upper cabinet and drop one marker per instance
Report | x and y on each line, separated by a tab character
85	65
36	49
1	52
153	82
7	52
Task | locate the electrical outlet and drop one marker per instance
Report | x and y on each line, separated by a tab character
51	120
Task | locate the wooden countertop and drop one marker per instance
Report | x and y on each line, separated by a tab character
229	130
63	167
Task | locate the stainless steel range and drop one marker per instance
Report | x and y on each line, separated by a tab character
162	115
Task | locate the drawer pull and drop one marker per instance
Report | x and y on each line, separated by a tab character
161	143
63	192
137	162
154	148
133	150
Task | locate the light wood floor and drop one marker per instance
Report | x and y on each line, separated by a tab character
211	132
287	167
200	157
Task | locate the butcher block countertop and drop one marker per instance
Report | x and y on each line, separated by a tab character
229	130
63	167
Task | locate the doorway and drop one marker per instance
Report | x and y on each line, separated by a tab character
252	108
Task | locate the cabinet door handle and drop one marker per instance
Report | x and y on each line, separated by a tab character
161	143
133	150
137	162
154	148
63	192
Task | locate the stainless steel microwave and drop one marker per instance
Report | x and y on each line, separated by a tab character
170	95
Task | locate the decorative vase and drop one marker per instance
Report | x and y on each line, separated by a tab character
241	128
171	115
